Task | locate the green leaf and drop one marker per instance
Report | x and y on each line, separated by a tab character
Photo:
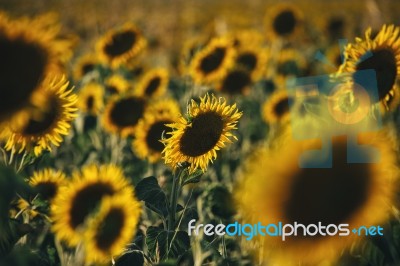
133	257
192	178
151	193
159	243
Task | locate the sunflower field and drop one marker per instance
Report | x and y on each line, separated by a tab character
199	132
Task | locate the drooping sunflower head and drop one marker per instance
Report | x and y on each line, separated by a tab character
116	84
253	59
380	54
207	129
236	81
283	21
212	62
276	108
123	113
120	45
357	194
90	98
47	122
111	230
80	199
153	83
47	182
85	65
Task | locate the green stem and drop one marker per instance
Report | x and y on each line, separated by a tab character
173	201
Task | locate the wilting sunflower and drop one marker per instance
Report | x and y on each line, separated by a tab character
47	122
290	62
149	132
153	83
253	59
123	113
116	84
196	139
47	182
90	98
120	45
77	201
85	65
357	194
29	50
276	108
381	54
112	228
236	81
212	62
283	21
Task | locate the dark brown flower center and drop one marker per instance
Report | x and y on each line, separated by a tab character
336	28
289	67
202	135
247	60
281	107
22	67
329	195
110	229
88	67
212	61
112	89
383	61
40	124
236	81
120	43
86	200
127	112
284	23
155	133
90	102
152	86
47	189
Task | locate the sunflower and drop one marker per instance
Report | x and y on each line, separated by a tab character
153	83
48	122
47	182
75	202
112	228
253	59
276	108
90	98
236	81
196	139
190	48
246	38
357	194
381	54
123	113
85	65
290	62
283	21
120	45
336	26
211	63
166	106
29	51
116	84
150	131
334	58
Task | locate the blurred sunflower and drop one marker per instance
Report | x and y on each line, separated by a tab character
335	59
90	98
112	228
290	62
196	139
120	45
276	108
47	122
236	81
283	21
75	202
154	83
381	54
149	132
190	47
335	26
84	65
212	62
246	38
253	59
47	182
116	84
123	113
164	106
358	194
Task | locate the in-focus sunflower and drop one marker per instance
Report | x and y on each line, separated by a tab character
47	122
253	59
120	45
276	108
283	21
123	113
149	132
212	62
47	182
77	201
112	228
153	83
381	54
116	84
90	98
236	81
85	65
196	139
357	194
